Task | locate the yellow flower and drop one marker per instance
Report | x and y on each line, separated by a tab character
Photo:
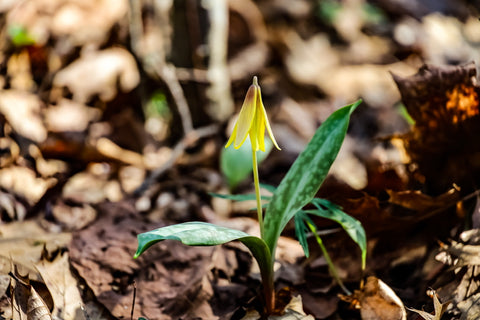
252	121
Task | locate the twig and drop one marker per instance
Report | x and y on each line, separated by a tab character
155	60
221	103
177	152
133	301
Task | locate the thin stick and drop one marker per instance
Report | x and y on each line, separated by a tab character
134	296
178	150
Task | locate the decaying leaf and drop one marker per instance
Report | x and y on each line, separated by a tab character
465	253
438	306
63	287
463	257
293	311
23	112
26	302
104	70
377	301
420	202
444	103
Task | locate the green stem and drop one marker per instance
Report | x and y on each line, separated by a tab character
331	266
261	253
257	192
266	267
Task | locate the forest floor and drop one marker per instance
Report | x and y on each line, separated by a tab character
114	115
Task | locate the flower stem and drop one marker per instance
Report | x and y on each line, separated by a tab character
257	192
266	268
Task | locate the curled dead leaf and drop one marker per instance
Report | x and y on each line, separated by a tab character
26	302
377	301
438	306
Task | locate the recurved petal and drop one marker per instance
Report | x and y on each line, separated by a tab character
266	124
245	118
232	136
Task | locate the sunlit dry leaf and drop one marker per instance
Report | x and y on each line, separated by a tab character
315	61
26	302
23	113
99	73
439	309
82	22
63	287
18	68
23	181
36	307
377	301
462	254
74	217
69	115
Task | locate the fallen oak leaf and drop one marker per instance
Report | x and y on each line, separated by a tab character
438	307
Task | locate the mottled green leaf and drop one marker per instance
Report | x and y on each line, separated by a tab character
206	234
301	231
307	173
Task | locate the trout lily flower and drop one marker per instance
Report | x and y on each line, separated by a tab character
252	121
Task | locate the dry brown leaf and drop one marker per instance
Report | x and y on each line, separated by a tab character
82	22
69	115
23	242
377	301
98	73
170	277
24	181
418	201
465	253
23	112
444	102
439	309
26	302
463	256
293	311
63	287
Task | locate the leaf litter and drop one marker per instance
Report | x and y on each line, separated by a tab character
77	161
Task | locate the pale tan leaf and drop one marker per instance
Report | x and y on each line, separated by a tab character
36	307
102	71
377	301
63	287
438	306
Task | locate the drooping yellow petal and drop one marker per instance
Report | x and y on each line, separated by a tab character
261	109
252	121
257	132
232	136
246	117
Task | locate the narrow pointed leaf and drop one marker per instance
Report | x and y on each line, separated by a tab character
307	173
301	231
352	226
